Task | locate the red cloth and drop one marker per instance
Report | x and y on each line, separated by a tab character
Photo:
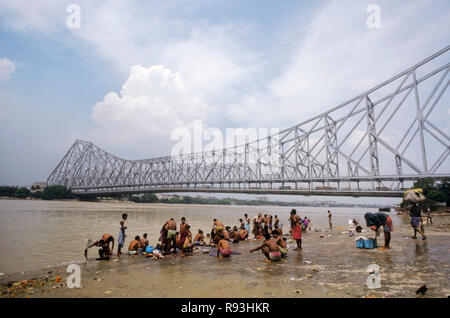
183	236
297	232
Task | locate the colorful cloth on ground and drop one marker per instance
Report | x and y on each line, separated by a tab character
415	221
297	232
388	227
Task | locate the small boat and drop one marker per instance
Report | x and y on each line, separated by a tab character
384	209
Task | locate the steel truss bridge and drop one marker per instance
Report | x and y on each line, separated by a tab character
375	144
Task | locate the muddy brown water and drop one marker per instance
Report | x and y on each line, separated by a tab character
36	235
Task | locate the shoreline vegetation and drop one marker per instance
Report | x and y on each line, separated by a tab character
436	192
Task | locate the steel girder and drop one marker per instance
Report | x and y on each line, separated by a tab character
377	139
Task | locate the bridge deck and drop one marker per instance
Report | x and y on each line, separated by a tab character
348	193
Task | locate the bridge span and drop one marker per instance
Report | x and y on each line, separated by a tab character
375	144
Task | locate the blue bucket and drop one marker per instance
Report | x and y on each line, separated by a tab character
370	243
149	249
360	243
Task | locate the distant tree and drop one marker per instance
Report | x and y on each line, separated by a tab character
444	187
22	193
434	191
36	195
8	191
57	192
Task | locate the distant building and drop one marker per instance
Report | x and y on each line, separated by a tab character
165	196
38	186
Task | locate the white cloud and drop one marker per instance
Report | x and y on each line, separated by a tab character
6	69
339	58
151	104
333	58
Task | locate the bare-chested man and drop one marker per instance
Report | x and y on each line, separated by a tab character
234	235
134	245
243	234
280	242
223	247
143	243
270	249
105	252
217	227
226	233
276	221
247	225
182	224
186	240
171	227
269	222
199	238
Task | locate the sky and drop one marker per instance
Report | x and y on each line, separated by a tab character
134	71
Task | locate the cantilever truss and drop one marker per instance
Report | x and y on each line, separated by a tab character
394	132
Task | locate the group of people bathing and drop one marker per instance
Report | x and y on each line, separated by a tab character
173	239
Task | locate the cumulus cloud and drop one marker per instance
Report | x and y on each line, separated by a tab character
6	69
151	104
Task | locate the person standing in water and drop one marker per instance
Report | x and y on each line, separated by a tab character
416	220
247	226
329	220
378	219
122	235
296	229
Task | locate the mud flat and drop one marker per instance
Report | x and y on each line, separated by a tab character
327	267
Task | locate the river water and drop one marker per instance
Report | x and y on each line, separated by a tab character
37	234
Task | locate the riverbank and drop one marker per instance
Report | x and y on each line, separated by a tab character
327	267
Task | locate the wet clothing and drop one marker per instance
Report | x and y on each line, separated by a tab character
163	235
183	236
283	251
415	221
171	234
121	239
297	232
375	219
388	227
225	252
275	256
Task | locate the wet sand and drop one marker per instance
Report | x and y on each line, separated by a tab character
326	267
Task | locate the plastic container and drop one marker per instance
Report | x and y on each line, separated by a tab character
370	243
149	249
360	243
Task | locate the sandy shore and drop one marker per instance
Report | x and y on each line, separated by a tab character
327	267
